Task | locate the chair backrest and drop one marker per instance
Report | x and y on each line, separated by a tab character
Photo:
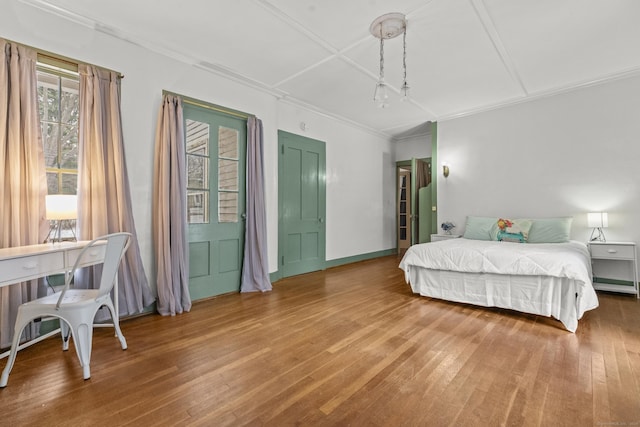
117	245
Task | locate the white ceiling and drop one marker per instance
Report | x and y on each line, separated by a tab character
463	56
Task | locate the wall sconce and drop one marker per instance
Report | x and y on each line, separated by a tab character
62	210
597	221
445	169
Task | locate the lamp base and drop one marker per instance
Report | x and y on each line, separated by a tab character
597	235
56	229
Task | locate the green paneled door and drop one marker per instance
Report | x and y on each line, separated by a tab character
215	147
302	199
424	214
421	214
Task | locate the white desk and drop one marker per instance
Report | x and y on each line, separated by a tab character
23	263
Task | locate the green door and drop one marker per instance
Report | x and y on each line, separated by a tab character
421	214
215	147
302	199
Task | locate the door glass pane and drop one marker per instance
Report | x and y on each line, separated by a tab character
228	174
197	207
197	138
227	143
227	207
197	147
197	172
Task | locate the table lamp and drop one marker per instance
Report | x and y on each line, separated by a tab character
62	210
597	221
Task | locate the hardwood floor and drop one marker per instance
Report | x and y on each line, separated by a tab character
348	346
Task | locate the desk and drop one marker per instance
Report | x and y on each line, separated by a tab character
23	263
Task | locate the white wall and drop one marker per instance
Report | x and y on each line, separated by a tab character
564	155
360	208
417	146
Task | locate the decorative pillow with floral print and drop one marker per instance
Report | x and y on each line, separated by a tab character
516	230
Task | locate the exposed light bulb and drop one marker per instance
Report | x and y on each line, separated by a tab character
404	91
381	94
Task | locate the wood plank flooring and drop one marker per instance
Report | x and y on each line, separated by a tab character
348	346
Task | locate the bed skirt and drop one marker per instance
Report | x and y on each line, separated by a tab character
541	295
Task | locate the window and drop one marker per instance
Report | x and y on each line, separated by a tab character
58	103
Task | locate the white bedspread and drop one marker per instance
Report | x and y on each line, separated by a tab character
562	260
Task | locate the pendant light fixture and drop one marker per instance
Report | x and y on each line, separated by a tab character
387	27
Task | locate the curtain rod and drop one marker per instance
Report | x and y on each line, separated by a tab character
63	59
209	106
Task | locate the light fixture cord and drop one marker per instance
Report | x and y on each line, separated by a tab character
404	54
381	55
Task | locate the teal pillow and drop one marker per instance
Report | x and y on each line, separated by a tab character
550	230
480	228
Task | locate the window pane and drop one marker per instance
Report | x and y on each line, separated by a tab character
227	143
69	147
69	183
50	141
227	207
197	207
197	138
228	174
52	183
197	172
48	97
69	102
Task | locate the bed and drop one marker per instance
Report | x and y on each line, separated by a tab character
547	279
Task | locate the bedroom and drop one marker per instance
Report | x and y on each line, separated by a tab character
568	153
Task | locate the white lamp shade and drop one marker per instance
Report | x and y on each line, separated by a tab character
597	220
62	206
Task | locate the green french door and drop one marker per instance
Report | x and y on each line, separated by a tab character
302	204
215	161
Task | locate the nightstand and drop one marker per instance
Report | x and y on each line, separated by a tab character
615	266
437	237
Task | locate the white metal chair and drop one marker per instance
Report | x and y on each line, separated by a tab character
76	308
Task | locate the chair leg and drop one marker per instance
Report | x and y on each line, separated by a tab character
17	333
82	339
116	324
65	333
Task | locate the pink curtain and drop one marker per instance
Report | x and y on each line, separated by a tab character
169	210
104	199
23	185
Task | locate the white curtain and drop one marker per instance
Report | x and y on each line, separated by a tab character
255	268
169	210
23	185
104	199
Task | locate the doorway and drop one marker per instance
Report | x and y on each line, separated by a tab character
414	215
404	208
